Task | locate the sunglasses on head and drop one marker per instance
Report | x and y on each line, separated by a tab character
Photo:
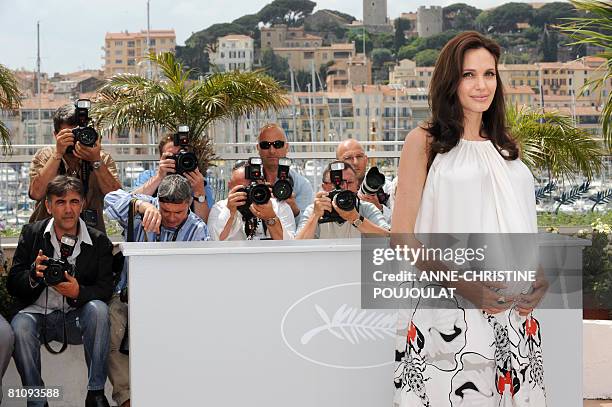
276	143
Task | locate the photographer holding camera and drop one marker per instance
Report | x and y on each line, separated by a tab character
337	212
165	218
148	181
374	188
77	153
272	146
250	211
61	277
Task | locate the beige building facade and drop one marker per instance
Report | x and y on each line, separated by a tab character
124	51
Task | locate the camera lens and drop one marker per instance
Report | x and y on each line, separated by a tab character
186	162
86	136
373	181
260	194
345	200
282	189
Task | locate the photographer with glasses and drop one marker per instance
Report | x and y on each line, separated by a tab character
61	277
77	153
272	145
337	212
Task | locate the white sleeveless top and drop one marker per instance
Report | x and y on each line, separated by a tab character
473	189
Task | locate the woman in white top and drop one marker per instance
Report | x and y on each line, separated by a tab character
461	173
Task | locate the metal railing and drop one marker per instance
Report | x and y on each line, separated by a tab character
308	158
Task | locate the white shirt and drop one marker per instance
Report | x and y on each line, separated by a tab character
220	214
56	300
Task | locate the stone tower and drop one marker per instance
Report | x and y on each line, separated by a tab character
375	13
429	21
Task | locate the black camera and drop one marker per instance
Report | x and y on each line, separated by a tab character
56	268
343	198
283	187
185	160
256	192
83	133
373	185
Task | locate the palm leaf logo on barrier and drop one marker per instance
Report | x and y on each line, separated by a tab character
354	325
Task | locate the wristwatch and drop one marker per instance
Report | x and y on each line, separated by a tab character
201	198
358	222
96	165
271	221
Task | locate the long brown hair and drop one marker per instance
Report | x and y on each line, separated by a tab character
446	123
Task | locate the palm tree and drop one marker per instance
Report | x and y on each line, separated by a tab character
129	101
550	142
10	99
595	29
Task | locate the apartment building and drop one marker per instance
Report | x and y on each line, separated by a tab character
233	52
124	51
303	58
281	36
410	75
355	71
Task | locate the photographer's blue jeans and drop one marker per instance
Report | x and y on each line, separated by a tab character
6	349
88	325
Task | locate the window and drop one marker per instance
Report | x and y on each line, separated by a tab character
151	41
130	44
223	55
118	52
131	62
118	61
118	43
268	35
131	53
308	55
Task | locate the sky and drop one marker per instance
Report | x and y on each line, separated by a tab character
72	31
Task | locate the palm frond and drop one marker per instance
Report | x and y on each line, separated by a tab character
10	99
549	141
133	102
595	29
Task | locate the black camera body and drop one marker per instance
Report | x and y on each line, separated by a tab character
56	268
185	160
373	184
283	187
256	192
343	198
83	133
54	273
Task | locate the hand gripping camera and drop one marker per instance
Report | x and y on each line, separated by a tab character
283	187
343	198
54	273
256	193
185	160
373	185
83	133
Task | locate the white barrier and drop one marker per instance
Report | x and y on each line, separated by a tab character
597	359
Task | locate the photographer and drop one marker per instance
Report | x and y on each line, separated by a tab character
363	217
350	151
148	181
62	299
166	218
235	218
7	340
94	167
272	145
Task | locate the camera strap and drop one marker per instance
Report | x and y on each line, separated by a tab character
44	327
85	172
